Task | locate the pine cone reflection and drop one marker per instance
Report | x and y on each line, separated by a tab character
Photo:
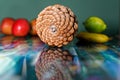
56	25
53	65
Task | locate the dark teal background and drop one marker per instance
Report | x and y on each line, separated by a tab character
108	10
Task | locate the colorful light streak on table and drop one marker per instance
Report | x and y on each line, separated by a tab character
95	61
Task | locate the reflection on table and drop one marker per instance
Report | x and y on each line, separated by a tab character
18	57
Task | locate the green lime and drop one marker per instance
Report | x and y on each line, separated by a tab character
94	24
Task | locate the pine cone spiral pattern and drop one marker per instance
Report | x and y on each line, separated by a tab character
52	64
56	25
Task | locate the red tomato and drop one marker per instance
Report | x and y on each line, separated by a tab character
21	27
6	25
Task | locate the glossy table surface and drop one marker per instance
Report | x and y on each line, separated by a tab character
18	57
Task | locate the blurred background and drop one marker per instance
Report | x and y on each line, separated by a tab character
108	10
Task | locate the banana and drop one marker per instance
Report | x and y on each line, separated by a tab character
93	37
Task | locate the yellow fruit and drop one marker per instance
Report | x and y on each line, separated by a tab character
94	24
93	37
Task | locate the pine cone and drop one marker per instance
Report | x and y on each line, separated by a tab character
56	25
52	64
